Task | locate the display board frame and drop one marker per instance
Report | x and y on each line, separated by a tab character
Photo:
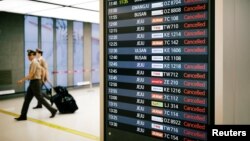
123	135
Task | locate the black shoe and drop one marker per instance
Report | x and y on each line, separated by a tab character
21	118
38	107
53	114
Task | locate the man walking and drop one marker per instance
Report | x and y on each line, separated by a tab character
44	65
34	89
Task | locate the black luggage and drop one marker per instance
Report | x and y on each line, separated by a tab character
64	102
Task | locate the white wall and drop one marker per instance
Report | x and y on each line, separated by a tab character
242	60
232	62
219	61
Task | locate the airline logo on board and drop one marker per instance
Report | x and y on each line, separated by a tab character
157	104
157	126
157	28
157	73
157	58
157	81
157	66
157	119
157	134
157	96
157	43
156	111
157	35
157	5
157	89
157	20
157	50
157	12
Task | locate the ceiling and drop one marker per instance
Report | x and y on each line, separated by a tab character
79	10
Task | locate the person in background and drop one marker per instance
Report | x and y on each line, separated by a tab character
34	88
43	63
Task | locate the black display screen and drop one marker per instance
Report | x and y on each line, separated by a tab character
159	69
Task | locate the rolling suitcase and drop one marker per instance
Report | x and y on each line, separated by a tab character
64	102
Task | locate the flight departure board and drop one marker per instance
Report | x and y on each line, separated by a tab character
159	70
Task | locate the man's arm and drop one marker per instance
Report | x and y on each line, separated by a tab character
43	74
45	67
30	75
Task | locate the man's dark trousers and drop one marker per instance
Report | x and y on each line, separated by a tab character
34	89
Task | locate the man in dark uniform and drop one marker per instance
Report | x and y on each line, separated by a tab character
34	89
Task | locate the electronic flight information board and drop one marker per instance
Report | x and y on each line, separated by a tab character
159	70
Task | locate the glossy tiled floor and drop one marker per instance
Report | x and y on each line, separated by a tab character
84	122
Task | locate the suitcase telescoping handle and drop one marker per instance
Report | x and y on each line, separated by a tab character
52	92
43	83
52	88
